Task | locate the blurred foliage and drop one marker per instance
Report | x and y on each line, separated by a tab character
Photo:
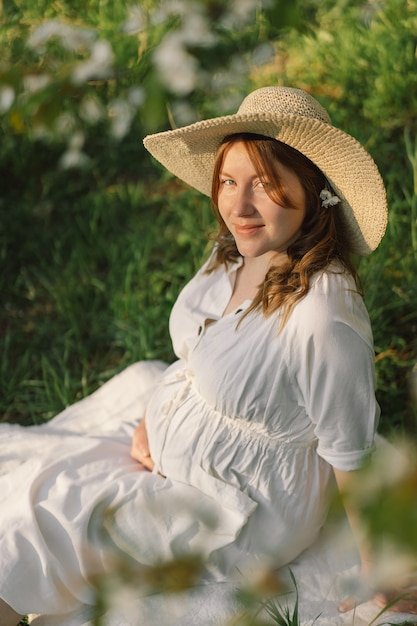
65	70
384	495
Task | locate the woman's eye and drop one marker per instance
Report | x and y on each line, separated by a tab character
227	182
262	184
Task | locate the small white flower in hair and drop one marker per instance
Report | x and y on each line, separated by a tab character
328	199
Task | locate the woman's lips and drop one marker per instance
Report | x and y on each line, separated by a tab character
246	231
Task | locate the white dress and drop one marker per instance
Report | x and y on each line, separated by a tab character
244	428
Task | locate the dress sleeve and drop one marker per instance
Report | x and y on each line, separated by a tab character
334	359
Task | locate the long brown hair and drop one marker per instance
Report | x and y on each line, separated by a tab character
322	238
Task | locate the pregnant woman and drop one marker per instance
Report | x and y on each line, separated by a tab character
238	445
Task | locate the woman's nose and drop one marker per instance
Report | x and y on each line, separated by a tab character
243	204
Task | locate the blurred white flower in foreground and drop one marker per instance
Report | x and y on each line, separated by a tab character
182	114
392	567
390	464
120	114
263	54
71	37
7	95
91	110
74	157
98	66
178	68
135	21
65	125
196	30
241	12
136	96
172	8
122	111
385	495
35	82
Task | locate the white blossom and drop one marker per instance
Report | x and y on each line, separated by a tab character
65	124
63	127
263	54
390	465
121	114
183	113
392	564
35	82
195	30
136	96
171	8
7	96
135	21
97	66
178	69
73	156
91	110
328	199
122	111
241	12
71	37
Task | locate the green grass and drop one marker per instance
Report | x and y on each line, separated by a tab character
91	290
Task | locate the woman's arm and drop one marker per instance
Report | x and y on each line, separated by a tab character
407	603
140	447
344	482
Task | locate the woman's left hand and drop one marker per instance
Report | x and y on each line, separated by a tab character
140	446
406	602
403	599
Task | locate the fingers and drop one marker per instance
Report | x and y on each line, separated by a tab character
140	448
400	601
145	459
347	605
351	602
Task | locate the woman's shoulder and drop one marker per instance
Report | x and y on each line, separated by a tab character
333	300
334	280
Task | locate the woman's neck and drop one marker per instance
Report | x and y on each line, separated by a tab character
249	278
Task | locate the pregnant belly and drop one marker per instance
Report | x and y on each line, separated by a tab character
179	422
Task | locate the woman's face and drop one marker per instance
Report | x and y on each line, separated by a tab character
259	225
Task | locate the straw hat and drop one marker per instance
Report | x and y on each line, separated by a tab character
295	118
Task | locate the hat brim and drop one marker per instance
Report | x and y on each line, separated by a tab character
190	152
